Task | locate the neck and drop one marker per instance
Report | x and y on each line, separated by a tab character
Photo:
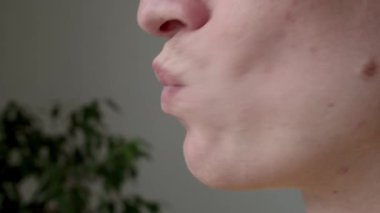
350	182
353	189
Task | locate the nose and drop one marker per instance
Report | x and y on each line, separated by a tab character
166	18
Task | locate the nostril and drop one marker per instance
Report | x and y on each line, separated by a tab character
166	18
170	27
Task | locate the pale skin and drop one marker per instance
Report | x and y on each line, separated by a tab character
276	94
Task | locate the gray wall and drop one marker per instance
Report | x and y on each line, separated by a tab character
73	51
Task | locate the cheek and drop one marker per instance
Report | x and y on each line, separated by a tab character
290	127
242	33
208	106
260	104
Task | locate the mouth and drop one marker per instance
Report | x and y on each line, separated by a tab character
171	84
165	77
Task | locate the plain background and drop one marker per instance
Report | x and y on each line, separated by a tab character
73	51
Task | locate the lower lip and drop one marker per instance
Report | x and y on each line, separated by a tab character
168	93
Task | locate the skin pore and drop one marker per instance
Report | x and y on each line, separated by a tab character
275	94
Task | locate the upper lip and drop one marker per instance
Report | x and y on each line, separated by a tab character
164	76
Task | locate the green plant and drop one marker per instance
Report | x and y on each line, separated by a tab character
74	164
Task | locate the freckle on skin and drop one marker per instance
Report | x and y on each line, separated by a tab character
295	2
370	69
343	170
361	124
289	17
313	50
331	105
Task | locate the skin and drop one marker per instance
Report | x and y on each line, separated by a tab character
277	94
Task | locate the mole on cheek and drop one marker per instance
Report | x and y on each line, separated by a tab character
361	124
370	69
343	171
290	16
331	105
313	50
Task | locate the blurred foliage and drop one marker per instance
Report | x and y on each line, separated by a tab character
74	163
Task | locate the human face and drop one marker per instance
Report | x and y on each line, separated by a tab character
269	91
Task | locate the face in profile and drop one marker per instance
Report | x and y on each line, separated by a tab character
270	92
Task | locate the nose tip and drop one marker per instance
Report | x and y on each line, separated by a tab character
165	18
158	23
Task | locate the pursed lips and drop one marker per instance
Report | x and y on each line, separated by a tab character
171	85
165	77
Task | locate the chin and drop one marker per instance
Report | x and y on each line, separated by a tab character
201	164
215	168
226	180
